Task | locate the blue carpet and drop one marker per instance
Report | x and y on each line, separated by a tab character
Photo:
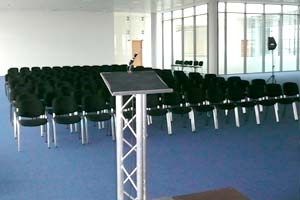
261	161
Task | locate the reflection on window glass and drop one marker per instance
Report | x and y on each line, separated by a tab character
272	8
235	43
189	38
167	16
177	40
201	9
254	42
272	30
221	47
177	14
254	8
287	9
201	41
188	12
236	7
289	43
221	7
167	44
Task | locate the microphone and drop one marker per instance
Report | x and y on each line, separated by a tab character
131	62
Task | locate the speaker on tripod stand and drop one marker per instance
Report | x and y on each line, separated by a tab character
271	47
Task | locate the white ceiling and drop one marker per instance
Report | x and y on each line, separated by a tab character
108	5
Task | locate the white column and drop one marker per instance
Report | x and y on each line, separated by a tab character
213	36
139	146
153	39
119	152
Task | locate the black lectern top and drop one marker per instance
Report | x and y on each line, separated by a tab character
140	82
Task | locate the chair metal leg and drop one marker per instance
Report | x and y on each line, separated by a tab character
256	109
295	110
192	118
244	110
54	133
113	133
86	128
15	124
48	135
169	124
237	119
19	136
83	139
215	114
276	112
42	130
76	127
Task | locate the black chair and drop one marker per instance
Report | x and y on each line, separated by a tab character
31	113
290	96
65	111
175	105
94	109
273	94
155	109
195	78
196	99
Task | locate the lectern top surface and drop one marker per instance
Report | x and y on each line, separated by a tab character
141	82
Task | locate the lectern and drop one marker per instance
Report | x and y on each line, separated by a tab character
131	152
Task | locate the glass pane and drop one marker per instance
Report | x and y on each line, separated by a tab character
272	30
221	7
177	40
254	8
189	38
188	12
254	42
201	9
272	8
177	14
167	44
290	9
235	43
289	44
201	41
236	7
221	64
167	15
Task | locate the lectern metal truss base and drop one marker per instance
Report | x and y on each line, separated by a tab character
131	149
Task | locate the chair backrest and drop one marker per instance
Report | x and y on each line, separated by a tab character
64	105
258	81
196	78
171	99
273	90
31	108
236	92
215	94
93	103
153	101
195	95
256	91
290	89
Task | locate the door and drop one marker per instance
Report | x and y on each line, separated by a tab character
137	47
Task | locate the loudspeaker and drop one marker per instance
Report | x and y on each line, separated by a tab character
271	43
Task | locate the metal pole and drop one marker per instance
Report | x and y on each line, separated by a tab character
144	97
119	151
139	146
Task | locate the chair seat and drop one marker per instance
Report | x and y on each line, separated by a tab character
203	108
226	106
288	100
180	110
98	117
247	104
157	112
67	119
33	122
268	102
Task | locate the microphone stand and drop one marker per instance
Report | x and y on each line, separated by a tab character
272	77
130	65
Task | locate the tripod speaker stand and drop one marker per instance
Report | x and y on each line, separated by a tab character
271	46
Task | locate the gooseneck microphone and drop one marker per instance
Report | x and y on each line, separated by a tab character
130	65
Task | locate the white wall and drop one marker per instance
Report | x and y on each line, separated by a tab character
33	38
